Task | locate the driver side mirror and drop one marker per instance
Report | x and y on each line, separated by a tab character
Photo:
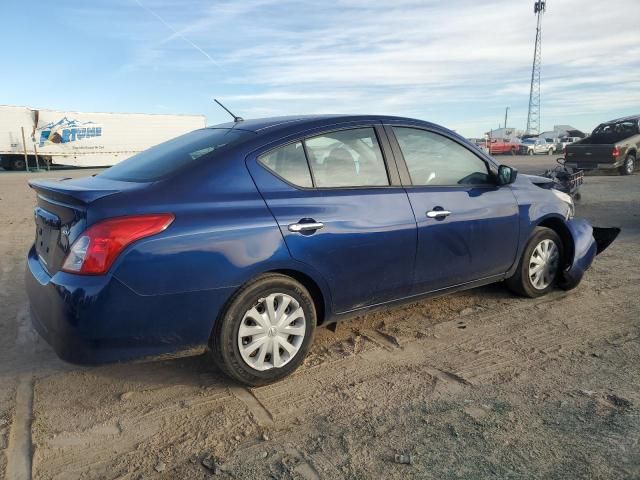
506	175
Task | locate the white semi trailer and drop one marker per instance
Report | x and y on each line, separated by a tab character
82	139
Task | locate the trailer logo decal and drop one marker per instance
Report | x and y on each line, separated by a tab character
66	131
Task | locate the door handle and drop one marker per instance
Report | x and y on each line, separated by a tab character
305	227
438	213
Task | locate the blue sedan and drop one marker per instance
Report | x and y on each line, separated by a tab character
240	239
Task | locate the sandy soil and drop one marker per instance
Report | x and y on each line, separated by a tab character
476	385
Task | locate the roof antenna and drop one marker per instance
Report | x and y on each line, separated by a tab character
236	119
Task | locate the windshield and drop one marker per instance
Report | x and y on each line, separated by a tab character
529	140
163	159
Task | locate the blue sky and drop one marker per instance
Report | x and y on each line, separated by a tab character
457	63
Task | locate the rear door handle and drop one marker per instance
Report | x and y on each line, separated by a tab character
305	227
438	213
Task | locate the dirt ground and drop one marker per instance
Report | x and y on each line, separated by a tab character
476	385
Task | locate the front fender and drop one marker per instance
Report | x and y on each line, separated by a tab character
584	251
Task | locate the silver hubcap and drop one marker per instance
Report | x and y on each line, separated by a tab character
543	264
271	332
629	165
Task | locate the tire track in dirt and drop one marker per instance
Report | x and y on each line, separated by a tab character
20	448
74	453
262	416
490	346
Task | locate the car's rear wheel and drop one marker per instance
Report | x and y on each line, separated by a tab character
530	152
266	331
628	166
18	163
550	152
540	264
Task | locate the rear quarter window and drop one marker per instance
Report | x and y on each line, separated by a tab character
290	163
166	158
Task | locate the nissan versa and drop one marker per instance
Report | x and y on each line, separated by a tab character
240	239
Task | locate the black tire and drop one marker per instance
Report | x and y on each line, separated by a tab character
520	282
18	164
7	164
530	152
224	339
513	151
628	166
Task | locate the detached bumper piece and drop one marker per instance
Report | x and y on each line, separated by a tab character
588	242
604	237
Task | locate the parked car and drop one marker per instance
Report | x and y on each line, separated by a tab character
535	146
497	145
564	141
479	143
613	144
240	239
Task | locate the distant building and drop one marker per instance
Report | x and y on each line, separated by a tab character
503	133
561	131
569	131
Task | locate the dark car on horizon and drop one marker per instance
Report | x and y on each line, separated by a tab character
241	238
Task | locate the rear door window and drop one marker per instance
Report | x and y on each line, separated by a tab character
168	157
347	158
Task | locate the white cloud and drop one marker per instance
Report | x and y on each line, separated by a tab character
453	62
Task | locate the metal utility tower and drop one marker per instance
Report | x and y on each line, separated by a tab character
533	116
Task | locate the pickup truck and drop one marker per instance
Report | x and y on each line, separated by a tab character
496	146
535	146
562	143
613	144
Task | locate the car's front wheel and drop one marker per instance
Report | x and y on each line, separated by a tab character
266	331
540	264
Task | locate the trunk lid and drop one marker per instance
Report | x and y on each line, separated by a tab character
61	214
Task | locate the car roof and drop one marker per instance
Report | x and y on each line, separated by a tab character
272	124
622	119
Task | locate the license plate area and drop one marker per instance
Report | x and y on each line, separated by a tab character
47	234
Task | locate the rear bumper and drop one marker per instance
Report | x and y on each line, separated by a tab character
90	320
593	166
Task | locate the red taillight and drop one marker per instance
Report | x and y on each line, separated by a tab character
96	248
616	152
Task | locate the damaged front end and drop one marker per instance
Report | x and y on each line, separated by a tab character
588	242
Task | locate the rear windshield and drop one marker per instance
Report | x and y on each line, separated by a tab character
614	132
168	157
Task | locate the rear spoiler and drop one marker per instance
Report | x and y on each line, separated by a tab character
69	192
